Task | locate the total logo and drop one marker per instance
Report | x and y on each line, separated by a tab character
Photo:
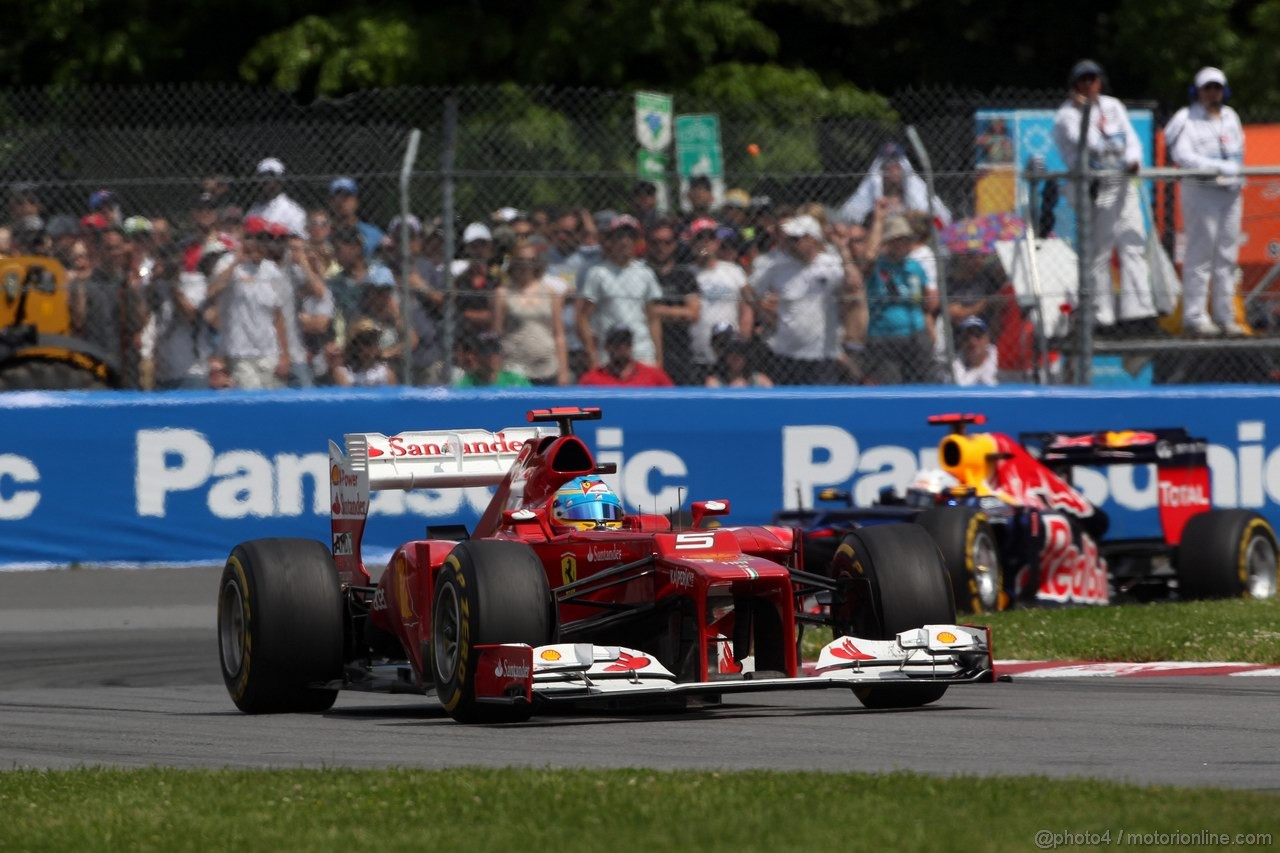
820	455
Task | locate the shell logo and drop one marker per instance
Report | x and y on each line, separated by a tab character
550	654
946	637
335	474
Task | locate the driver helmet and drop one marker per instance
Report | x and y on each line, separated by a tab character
935	481
587	504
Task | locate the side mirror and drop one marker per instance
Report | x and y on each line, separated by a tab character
701	509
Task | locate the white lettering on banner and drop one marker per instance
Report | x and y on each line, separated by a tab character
803	471
634	481
23	502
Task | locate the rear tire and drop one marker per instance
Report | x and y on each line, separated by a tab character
1228	553
909	589
487	592
35	375
280	626
971	555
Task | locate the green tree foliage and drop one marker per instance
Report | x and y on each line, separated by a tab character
823	52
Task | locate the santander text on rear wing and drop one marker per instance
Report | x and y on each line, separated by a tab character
430	459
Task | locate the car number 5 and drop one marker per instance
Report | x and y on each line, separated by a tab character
692	541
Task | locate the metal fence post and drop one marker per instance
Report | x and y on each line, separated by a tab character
447	155
948	343
406	172
1084	252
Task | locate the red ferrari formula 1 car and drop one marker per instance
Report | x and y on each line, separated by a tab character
559	596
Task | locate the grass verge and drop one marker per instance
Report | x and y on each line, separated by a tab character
561	810
1241	630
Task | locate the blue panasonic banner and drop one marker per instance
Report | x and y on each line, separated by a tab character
180	478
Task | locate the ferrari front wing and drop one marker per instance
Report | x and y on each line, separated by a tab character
581	672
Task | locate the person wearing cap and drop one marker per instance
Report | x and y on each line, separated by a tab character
475	280
891	177
345	283
900	305
344	207
680	305
250	297
734	210
482	363
621	290
1112	144
720	289
1208	135
184	336
976	360
276	205
733	367
799	298
106	203
621	366
361	363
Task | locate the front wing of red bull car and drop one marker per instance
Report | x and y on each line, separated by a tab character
523	613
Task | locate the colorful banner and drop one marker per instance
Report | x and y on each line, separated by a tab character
165	478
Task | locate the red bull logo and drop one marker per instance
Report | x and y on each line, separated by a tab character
1071	574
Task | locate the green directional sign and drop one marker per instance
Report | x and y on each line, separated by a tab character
651	165
653	120
698	146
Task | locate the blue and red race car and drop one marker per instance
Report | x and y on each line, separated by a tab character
1014	530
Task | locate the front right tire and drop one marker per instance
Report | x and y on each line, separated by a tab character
909	589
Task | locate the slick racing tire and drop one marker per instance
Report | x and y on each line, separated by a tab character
1227	553
280	626
971	555
908	589
486	592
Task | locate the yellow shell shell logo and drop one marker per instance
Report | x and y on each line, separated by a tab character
550	654
335	474
946	637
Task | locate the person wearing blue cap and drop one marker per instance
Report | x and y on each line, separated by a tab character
1208	135
976	360
1111	144
344	205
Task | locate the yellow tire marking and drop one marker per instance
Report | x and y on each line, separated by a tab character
1242	553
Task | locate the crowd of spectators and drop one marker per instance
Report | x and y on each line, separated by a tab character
250	289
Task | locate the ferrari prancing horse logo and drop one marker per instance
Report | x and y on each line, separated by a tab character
568	569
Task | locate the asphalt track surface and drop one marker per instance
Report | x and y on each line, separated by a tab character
119	668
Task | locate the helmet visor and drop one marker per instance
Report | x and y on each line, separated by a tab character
592	511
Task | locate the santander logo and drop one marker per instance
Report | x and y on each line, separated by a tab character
848	651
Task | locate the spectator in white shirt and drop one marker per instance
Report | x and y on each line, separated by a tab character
976	358
251	321
1208	135
1111	143
276	206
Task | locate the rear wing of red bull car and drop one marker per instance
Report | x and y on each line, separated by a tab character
1165	446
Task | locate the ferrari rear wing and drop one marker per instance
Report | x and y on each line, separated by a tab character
1165	446
437	460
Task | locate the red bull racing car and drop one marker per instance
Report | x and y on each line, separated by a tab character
1014	529
560	597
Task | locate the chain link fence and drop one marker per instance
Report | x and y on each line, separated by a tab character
164	204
